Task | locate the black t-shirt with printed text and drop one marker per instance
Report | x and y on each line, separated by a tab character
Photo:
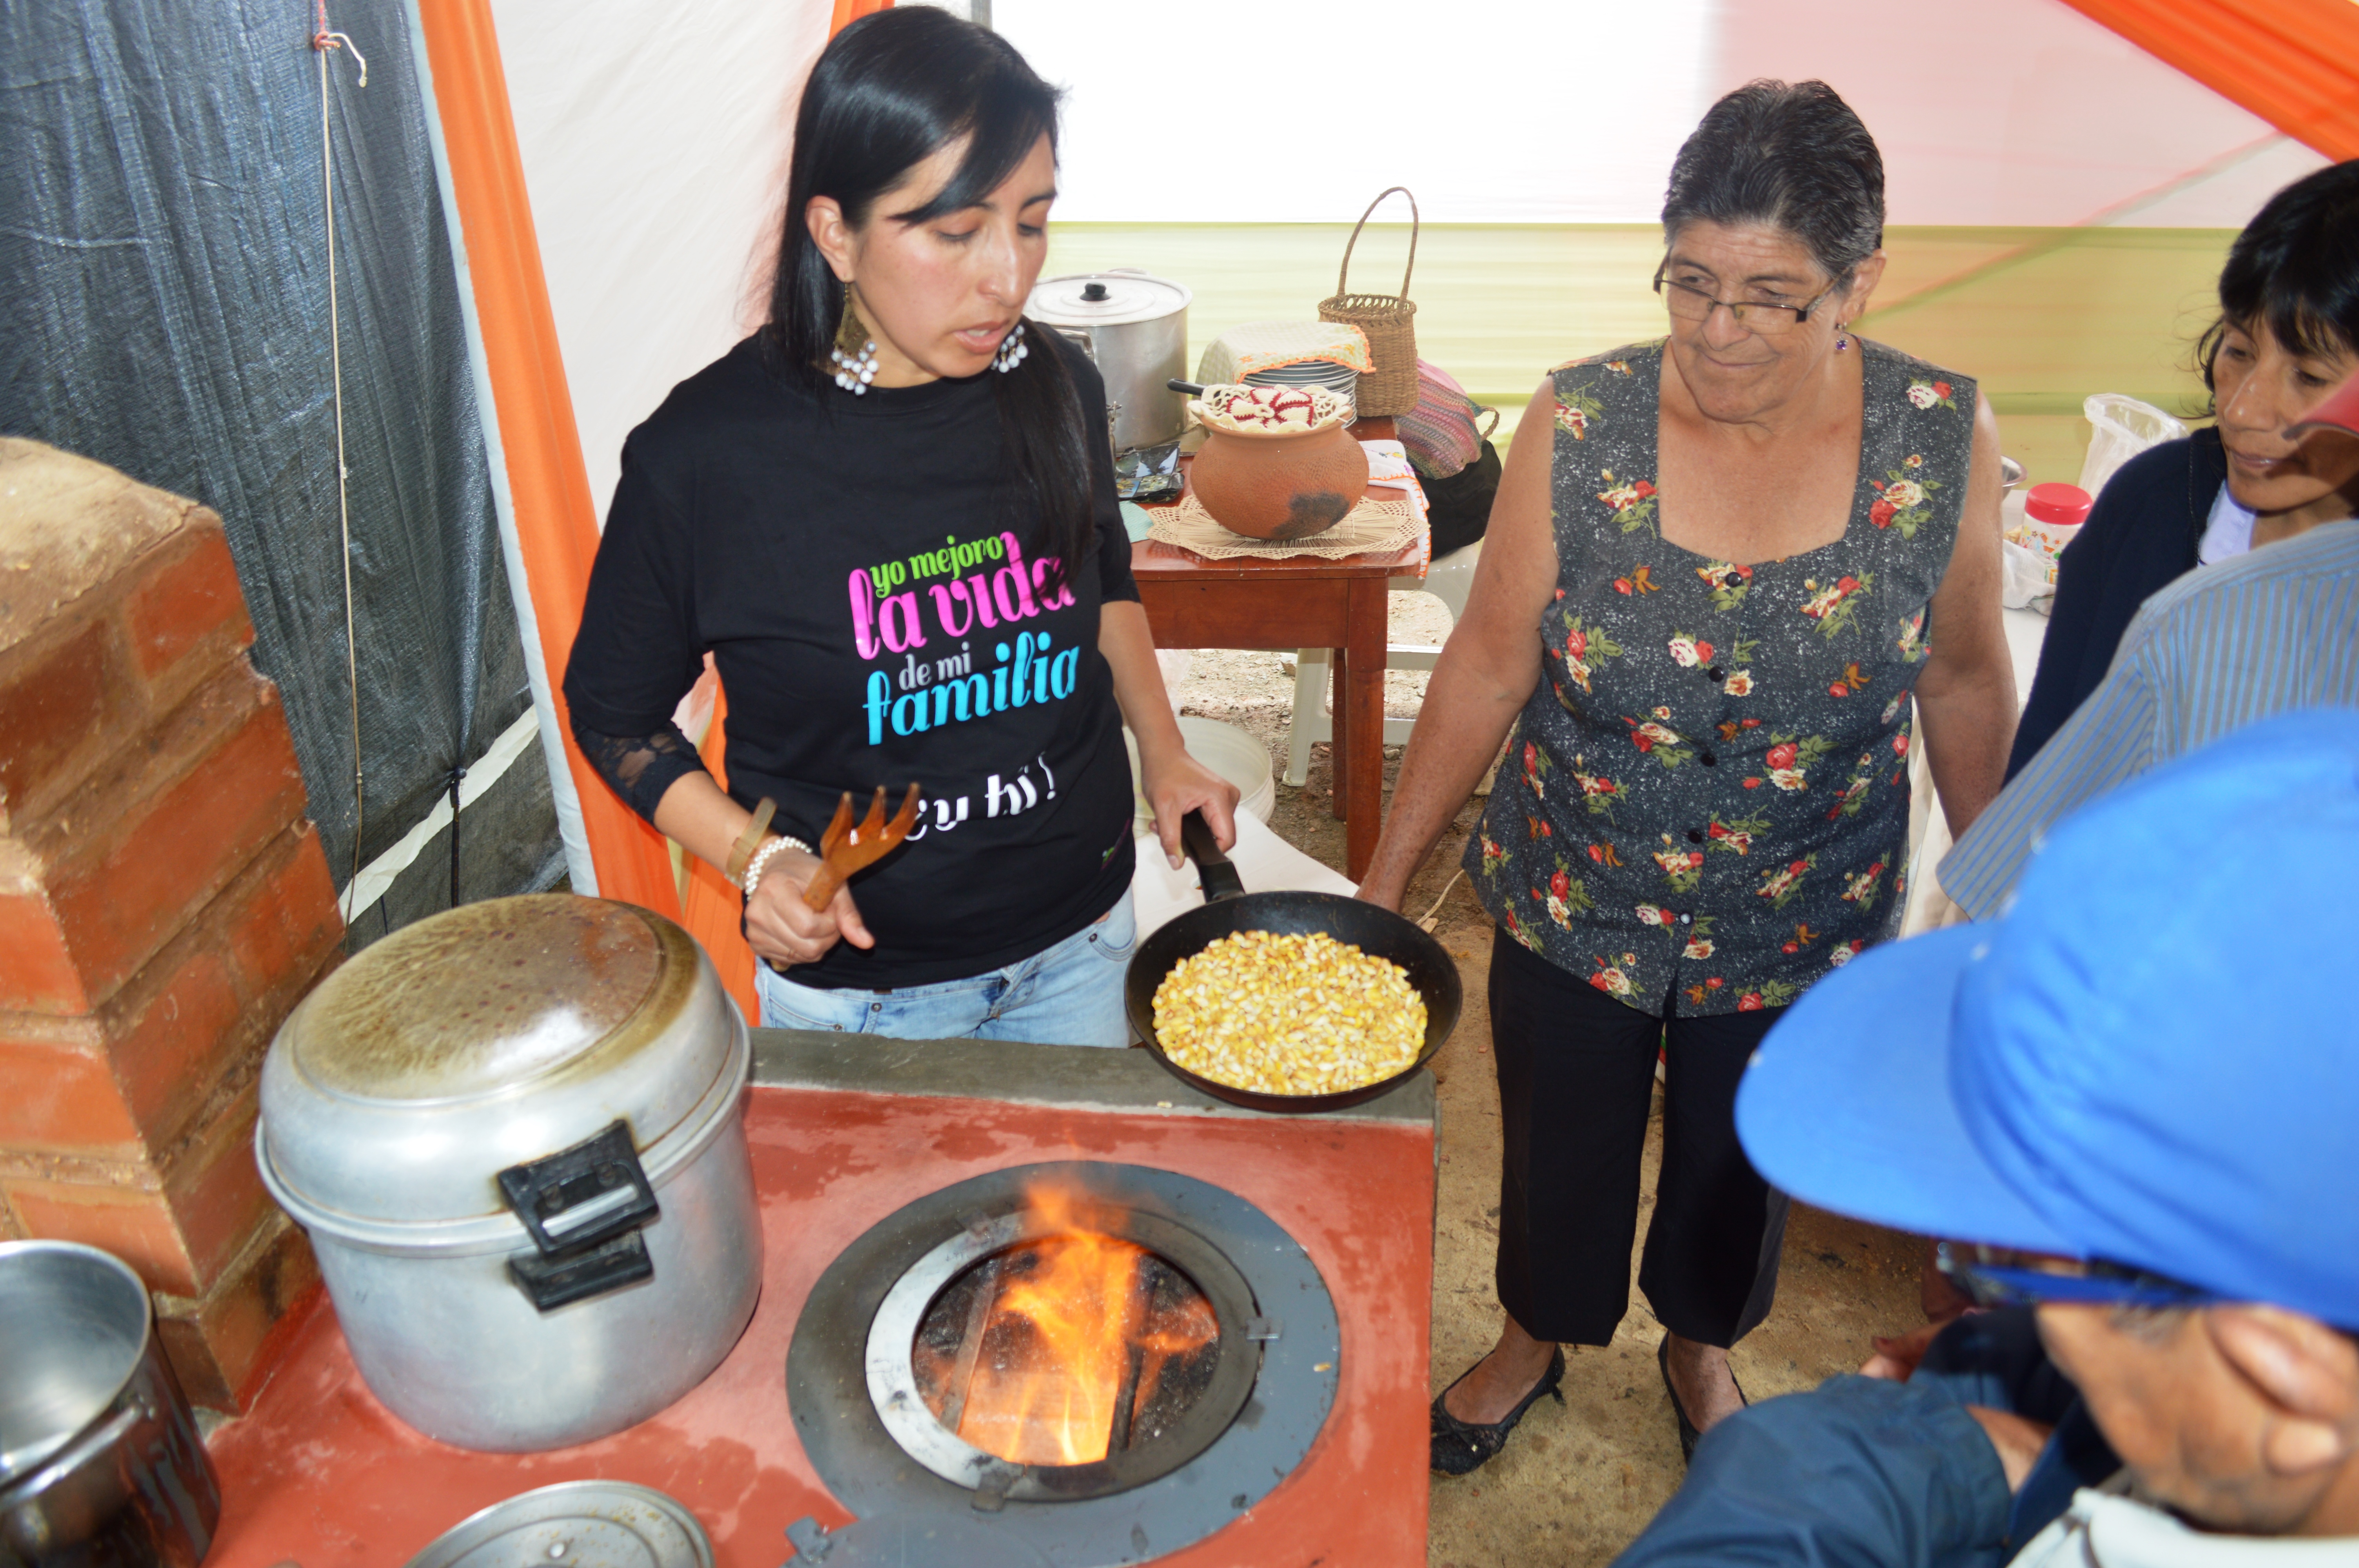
876	618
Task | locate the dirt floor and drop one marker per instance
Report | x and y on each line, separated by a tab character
1578	1480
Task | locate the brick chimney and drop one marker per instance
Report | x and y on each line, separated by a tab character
163	904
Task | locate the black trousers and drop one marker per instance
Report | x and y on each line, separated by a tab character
1576	1074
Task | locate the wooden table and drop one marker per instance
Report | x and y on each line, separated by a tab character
1301	601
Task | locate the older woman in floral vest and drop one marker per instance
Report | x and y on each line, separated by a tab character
1720	568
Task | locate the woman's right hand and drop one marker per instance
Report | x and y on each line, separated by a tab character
781	928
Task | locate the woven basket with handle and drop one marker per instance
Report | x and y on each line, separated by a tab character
1388	319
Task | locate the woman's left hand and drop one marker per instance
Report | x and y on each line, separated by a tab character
1177	783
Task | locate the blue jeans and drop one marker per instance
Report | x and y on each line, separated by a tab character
1070	994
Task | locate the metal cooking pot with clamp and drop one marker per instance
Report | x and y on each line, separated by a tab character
1136	330
515	1132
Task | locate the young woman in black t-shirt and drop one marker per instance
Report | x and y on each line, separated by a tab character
889	518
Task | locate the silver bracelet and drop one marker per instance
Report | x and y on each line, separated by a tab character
761	860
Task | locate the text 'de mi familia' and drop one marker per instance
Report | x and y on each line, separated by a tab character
888	616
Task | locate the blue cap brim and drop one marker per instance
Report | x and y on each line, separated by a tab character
1848	1104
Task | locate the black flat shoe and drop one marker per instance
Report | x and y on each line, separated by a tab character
1689	1436
1462	1446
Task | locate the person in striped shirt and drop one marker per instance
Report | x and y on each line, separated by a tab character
2220	648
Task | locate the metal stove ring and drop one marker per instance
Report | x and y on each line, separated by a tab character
875	1478
893	1385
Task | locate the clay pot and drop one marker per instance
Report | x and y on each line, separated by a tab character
1279	485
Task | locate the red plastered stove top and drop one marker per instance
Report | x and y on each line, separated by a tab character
844	1131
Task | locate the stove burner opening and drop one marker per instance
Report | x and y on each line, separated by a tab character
1067	1350
1062	1350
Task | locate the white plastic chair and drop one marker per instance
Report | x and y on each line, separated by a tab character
1447	580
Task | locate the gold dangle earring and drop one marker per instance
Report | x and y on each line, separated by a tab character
1842	336
854	354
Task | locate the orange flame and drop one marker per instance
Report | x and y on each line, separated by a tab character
1080	1308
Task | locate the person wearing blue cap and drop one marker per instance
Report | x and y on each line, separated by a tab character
2134	1095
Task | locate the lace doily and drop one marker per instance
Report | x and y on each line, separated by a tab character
1385	522
1266	410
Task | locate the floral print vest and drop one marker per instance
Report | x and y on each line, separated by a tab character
1705	802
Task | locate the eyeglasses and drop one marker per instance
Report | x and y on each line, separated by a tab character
1689	303
1994	1280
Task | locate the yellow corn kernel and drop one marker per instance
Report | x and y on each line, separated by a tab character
1289	1014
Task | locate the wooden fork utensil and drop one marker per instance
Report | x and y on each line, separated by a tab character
845	849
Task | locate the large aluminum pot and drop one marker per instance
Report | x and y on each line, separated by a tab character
515	1132
100	1461
1137	329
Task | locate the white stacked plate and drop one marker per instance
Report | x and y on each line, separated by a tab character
1339	379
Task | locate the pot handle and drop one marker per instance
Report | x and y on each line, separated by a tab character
82	1450
583	1207
1212	867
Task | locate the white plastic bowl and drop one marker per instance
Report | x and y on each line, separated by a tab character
1229	751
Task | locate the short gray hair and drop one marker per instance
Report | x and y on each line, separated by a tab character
1793	156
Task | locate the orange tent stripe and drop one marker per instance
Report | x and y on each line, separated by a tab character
556	519
2295	63
850	11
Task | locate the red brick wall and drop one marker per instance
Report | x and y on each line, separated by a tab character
163	904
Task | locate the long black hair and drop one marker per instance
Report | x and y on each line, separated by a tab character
2295	270
1793	156
889	91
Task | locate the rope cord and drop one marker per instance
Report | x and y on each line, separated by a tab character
323	41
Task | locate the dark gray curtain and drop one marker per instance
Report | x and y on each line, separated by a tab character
164	271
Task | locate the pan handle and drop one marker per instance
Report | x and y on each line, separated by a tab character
1212	868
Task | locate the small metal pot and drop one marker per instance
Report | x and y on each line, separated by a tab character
515	1132
1137	329
99	1460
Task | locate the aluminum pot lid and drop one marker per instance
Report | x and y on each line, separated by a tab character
1105	299
487	1036
575	1524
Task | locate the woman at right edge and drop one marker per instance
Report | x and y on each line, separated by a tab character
1712	581
2288	334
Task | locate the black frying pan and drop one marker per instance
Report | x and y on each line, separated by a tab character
1229	909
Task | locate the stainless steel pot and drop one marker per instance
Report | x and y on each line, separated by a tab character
99	1460
1137	329
514	1133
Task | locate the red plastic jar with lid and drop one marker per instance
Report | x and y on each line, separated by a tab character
2057	505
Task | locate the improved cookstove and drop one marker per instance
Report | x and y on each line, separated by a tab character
1106	1361
1020	1305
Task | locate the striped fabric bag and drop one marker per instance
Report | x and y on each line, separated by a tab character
1445	431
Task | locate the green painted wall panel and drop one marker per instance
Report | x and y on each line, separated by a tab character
2041	317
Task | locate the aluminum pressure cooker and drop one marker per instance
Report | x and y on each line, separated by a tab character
514	1133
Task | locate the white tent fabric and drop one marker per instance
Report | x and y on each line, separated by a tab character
655	135
2005	111
655	139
